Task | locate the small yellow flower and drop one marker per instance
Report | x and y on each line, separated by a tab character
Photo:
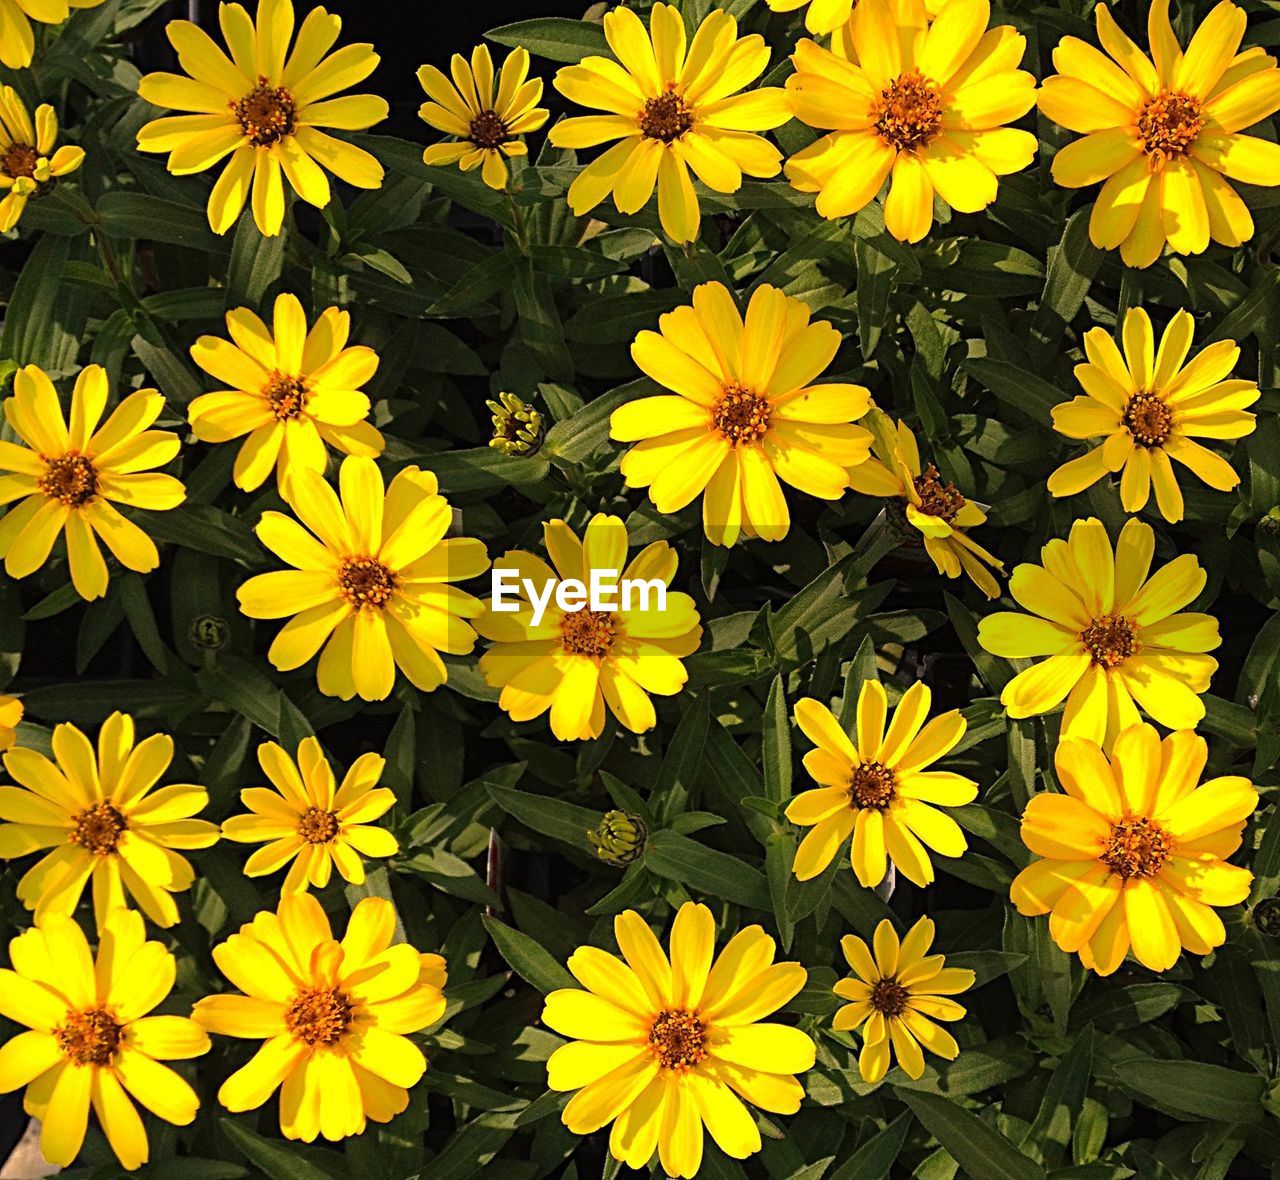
333	1017
28	164
17	38
878	789
292	391
69	478
896	996
1134	854
90	1041
10	716
265	110
486	125
662	1046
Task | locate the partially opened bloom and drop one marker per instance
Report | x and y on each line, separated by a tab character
28	163
671	107
333	1016
293	392
10	716
662	1047
875	787
1113	638
17	38
1134	854
743	414
264	107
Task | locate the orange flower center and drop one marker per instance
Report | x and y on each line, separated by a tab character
908	113
872	786
678	1039
741	415
89	1037
1148	419
318	826
287	396
665	118
266	114
488	130
72	478
888	997
98	829
365	581
19	159
1168	125
588	632
1137	847
1110	640
319	1015
939	499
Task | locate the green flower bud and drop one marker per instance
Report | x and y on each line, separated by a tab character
209	632
1266	916
518	429
619	838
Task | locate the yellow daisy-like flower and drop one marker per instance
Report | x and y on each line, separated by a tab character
333	1016
926	109
17	38
672	106
28	164
89	1040
1134	854
576	662
306	821
369	583
662	1047
1162	133
487	125
69	478
10	716
264	107
876	787
896	996
743	413
293	392
1112	635
1150	407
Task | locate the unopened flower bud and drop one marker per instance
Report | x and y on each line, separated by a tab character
1266	916
619	838
209	632
518	429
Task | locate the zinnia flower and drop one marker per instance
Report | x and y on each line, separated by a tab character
1113	636
662	1047
10	716
1135	851
305	821
70	478
28	164
292	391
333	1017
265	110
1149	407
89	1040
671	110
876	787
17	38
1163	135
743	413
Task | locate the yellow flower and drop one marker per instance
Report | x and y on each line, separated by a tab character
68	477
1134	854
1162	135
927	107
10	716
369	583
17	38
487	126
661	1047
743	413
907	13
878	789
27	167
896	996
333	1017
1113	636
672	107
575	662
265	110
292	391
307	822
1149	407
89	1040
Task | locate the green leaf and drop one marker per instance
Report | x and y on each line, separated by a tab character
552	817
557	38
153	219
874	1158
775	738
980	1150
256	263
706	870
276	1157
30	325
1068	1086
1192	1088
1022	391
527	958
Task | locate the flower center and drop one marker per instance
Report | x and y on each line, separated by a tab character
939	499
678	1039
287	396
90	1037
19	159
1136	848
488	130
73	479
318	826
265	114
1168	125
741	416
1110	640
319	1015
908	113
1148	419
888	997
365	581
665	118
872	786
98	830
588	632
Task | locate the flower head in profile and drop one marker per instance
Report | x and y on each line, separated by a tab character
10	716
1110	636
17	38
334	1017
664	1046
1133	856
670	105
89	1041
1149	407
70	477
876	788
486	123
293	392
29	165
264	107
1162	133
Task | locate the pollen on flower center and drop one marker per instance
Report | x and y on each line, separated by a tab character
317	826
266	113
287	396
73	479
1168	126
936	498
98	829
678	1039
872	786
89	1037
741	415
888	997
19	159
1110	640
665	118
1148	419
587	632
1137	847
365	581
908	113
488	130
319	1015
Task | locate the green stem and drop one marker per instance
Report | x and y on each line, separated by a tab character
521	229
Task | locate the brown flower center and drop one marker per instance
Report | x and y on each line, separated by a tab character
266	113
73	479
872	786
1148	419
888	997
939	499
908	113
19	159
1168	126
90	1037
317	826
365	581
665	118
287	396
588	632
319	1015
678	1039
1110	640
1136	848
98	829
488	130
741	416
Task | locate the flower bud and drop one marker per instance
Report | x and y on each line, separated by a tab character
518	429
619	838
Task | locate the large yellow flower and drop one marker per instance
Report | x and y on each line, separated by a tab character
662	1047
1113	636
333	1016
672	107
1149	407
17	38
743	413
926	109
292	391
264	106
98	813
90	1041
10	716
28	164
1163	134
69	478
307	821
878	789
1135	851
